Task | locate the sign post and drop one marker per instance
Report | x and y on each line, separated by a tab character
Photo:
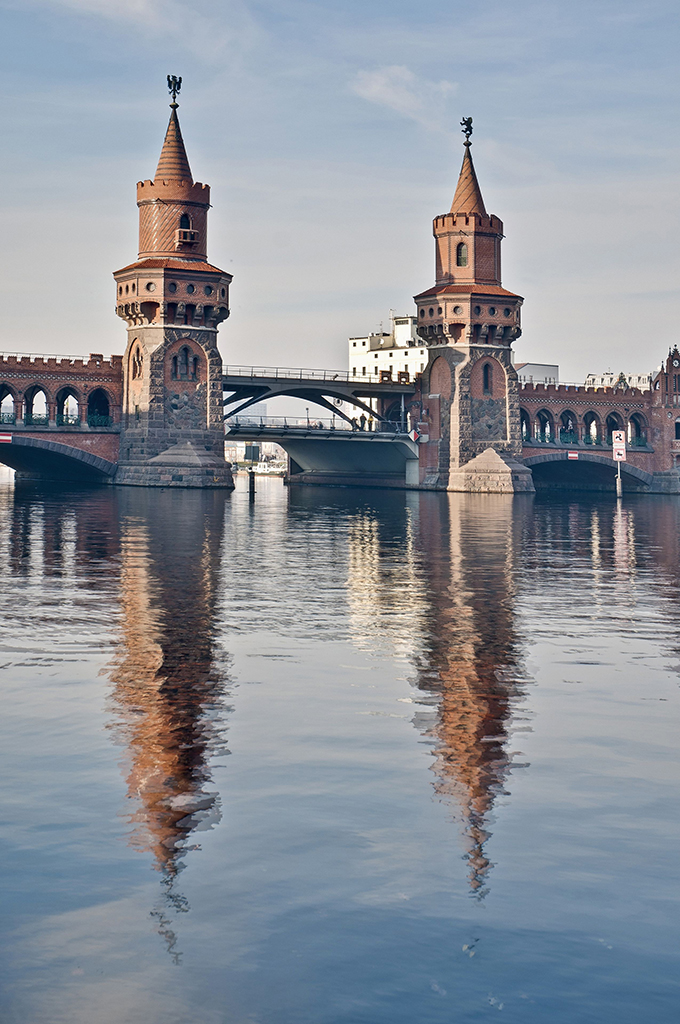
619	452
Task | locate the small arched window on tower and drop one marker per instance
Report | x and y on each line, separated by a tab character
194	368
462	255
184	222
137	361
487	379
183	362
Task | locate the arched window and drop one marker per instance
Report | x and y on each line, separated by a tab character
487	379
461	255
677	430
183	362
98	409
174	367
612	423
525	423
137	363
568	431
544	427
591	424
68	413
184	222
37	411
7	414
194	368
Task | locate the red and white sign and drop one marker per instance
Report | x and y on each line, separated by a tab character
572	455
414	435
619	445
5	438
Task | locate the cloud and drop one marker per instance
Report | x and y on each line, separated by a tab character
399	89
191	21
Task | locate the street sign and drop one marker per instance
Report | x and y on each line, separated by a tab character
619	445
5	438
414	435
572	455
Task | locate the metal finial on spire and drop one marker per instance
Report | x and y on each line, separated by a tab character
466	128
174	86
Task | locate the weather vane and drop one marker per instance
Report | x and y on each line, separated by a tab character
466	127
174	86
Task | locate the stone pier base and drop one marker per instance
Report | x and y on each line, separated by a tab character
182	465
492	473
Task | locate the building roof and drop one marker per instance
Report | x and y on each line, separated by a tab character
173	164
173	263
466	289
468	196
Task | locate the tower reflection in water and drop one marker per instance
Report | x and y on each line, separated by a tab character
447	605
169	680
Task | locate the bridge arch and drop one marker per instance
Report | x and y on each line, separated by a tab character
37	458
590	472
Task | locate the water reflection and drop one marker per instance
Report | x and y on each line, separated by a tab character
169	680
471	657
446	602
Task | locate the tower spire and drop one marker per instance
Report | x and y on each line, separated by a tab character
173	164
468	196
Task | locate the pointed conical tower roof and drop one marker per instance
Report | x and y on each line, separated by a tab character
468	197
173	164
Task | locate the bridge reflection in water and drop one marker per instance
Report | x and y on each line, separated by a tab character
445	603
169	678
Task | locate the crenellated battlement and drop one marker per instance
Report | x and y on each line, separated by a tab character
532	389
28	361
457	221
173	191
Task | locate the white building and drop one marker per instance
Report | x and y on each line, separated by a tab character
610	380
400	351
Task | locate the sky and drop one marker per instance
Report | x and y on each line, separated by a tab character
329	133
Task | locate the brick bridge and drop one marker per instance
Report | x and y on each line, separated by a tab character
61	416
556	420
154	416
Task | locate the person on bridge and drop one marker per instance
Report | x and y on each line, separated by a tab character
362	421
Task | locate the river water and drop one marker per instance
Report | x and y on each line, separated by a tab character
339	757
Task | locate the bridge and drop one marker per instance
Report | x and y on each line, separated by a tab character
330	453
61	418
155	415
248	385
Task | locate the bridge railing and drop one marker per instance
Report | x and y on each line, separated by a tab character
330	376
284	423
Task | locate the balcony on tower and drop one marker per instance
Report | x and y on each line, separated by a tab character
185	237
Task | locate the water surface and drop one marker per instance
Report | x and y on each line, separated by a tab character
338	757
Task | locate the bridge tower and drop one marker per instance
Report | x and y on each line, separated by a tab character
469	322
172	300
